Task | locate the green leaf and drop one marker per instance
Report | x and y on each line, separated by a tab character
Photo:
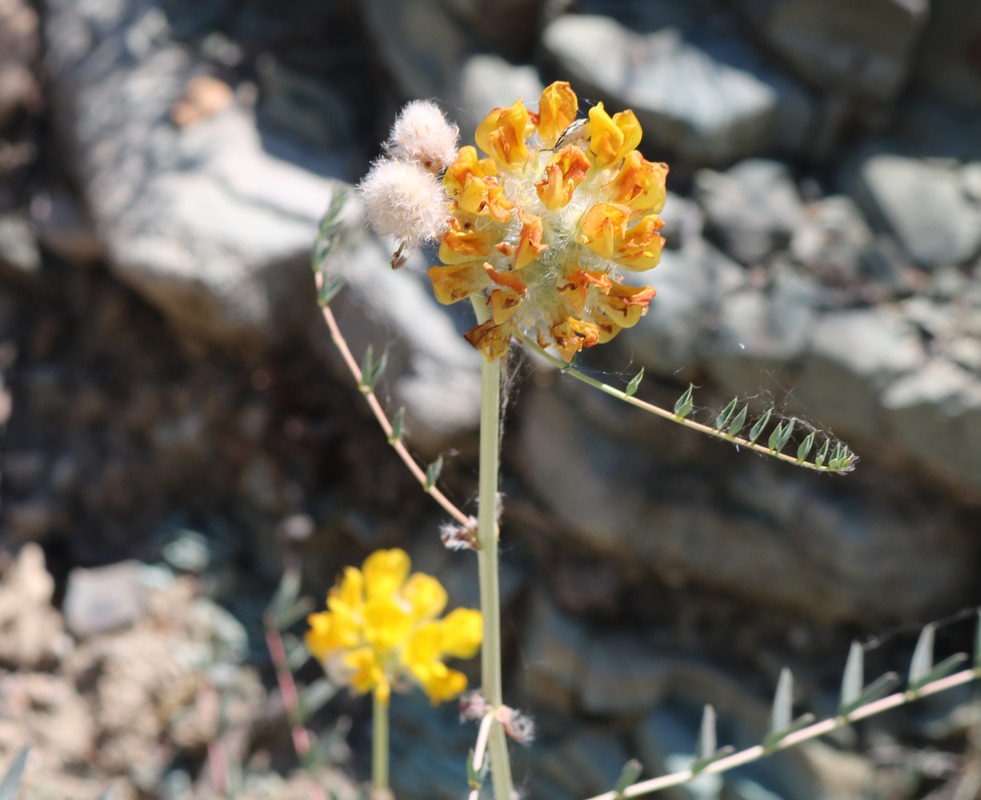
315	696
853	677
705	750
707	738
775	437
774	738
634	384
760	426
725	414
783	701
683	405
329	288
738	422
822	453
628	775
804	450
290	616
372	370
397	423
433	472
788	429
880	687
285	595
941	670
10	784
922	661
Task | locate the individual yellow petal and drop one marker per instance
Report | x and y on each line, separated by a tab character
454	283
611	138
366	672
349	593
462	632
641	245
491	338
625	305
502	135
425	595
602	227
503	305
317	638
444	684
639	184
387	624
508	280
470	182
571	335
530	245
562	176
556	111
463	242
574	288
384	573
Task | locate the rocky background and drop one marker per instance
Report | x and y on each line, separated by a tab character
179	430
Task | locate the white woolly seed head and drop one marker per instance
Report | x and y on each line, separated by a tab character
421	133
404	200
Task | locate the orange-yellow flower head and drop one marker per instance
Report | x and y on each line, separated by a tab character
541	228
381	630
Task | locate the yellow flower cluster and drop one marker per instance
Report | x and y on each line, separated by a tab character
381	629
541	227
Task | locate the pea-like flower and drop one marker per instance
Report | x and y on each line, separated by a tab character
381	631
541	229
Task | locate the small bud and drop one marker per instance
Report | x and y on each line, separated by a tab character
422	134
472	706
403	200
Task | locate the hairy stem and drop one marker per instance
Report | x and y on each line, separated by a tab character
379	747
488	566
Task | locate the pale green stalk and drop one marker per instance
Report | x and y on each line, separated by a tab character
379	747
488	565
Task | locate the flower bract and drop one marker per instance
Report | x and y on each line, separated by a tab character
382	630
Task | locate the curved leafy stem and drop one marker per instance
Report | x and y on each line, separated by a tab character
836	458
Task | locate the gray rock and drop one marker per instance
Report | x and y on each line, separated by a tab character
733	106
201	219
831	240
63	227
621	675
20	259
936	414
753	207
690	286
584	762
104	598
19	49
852	357
922	203
864	49
761	336
946	63
552	649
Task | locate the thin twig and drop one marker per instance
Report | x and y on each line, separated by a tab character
417	472
727	763
291	701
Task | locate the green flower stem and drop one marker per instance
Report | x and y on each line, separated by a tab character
488	565
379	747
